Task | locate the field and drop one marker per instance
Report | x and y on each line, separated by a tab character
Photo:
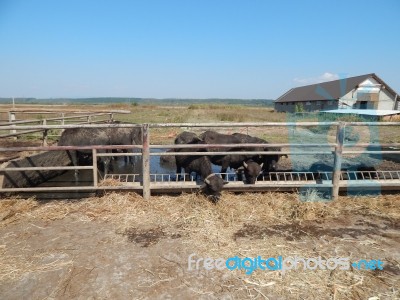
118	246
208	113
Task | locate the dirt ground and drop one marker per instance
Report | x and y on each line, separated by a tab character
121	247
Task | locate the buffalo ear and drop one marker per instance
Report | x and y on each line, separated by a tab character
226	182
203	186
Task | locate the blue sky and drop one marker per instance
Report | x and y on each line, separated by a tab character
192	48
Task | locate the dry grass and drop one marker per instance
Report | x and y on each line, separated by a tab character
110	182
192	212
215	230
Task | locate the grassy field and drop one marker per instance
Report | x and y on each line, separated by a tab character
207	113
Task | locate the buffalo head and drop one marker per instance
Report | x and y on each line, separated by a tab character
212	187
252	170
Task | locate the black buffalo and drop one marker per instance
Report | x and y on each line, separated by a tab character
98	136
233	161
270	162
251	170
201	165
186	137
168	160
213	184
213	137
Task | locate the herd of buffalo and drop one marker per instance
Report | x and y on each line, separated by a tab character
249	165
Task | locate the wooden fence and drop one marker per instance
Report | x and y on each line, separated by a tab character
77	118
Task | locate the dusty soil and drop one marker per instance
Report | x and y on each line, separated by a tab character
119	247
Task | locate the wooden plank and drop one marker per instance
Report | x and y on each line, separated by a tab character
337	161
45	168
19	133
146	162
59	148
94	166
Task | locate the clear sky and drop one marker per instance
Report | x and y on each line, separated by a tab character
192	48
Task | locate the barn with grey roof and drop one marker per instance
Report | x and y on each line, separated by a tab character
366	92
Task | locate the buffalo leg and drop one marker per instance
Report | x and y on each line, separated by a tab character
107	165
240	175
178	172
73	155
224	168
127	158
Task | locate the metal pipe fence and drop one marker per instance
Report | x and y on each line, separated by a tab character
146	185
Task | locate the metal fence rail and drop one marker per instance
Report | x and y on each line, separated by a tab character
147	182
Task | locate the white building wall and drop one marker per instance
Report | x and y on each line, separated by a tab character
350	99
370	85
386	101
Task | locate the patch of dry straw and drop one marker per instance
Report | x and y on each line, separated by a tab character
241	225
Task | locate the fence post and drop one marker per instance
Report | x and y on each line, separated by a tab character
146	162
62	120
337	160
95	178
44	139
11	118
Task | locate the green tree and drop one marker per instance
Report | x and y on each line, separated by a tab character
299	108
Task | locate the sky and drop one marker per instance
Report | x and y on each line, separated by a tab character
250	49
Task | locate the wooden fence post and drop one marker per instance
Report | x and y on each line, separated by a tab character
44	139
11	118
337	160
95	178
146	162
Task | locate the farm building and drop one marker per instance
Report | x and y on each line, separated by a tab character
351	95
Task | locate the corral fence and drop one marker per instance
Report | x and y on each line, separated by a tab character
66	117
331	180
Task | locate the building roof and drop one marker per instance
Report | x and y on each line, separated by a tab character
330	90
